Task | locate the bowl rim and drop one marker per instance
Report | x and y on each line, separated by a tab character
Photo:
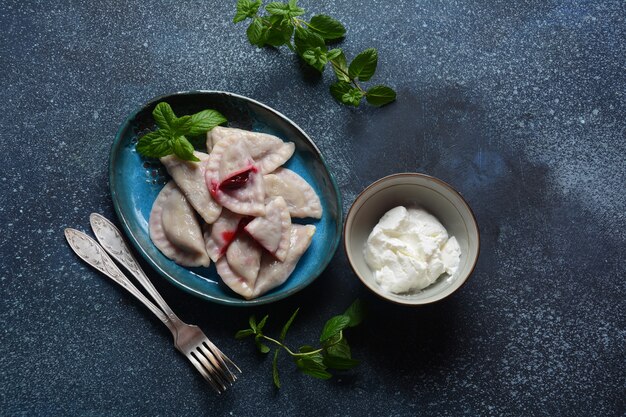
351	213
130	236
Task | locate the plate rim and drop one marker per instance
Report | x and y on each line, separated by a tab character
130	236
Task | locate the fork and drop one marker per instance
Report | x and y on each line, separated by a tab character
212	364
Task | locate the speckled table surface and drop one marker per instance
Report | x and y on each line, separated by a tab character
520	105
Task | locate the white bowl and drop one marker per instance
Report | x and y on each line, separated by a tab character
412	190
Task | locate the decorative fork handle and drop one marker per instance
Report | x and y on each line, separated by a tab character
112	241
91	252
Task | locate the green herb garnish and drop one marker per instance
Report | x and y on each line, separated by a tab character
171	136
310	39
333	352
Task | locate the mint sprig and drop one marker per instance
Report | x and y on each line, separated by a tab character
171	135
310	38
332	353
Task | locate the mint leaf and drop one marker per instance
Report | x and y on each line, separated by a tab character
180	125
333	54
261	324
275	369
364	64
327	27
313	365
246	9
315	58
164	116
340	65
334	326
338	363
183	149
380	95
170	137
263	348
355	311
239	16
277	8
305	39
256	32
252	323
280	31
339	88
340	349
294	10
204	121
282	9
334	340
154	145
352	97
244	333
315	358
283	332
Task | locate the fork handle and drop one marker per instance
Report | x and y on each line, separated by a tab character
91	252
112	241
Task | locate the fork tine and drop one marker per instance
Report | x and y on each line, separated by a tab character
219	372
219	365
209	368
204	373
223	358
224	361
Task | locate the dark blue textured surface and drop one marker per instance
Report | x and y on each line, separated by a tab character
519	105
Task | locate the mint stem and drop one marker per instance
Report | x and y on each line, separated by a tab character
294	354
352	80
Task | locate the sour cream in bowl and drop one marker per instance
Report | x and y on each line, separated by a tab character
409	249
411	238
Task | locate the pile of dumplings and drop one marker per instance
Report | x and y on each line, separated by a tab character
245	201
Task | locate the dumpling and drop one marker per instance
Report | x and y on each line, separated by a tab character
273	272
235	282
301	199
268	151
272	231
218	236
244	257
233	178
189	177
174	228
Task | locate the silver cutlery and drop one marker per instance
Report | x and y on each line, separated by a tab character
212	364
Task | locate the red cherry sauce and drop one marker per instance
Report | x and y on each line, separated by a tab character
238	179
230	235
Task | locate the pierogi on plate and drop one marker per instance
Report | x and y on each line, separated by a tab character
235	207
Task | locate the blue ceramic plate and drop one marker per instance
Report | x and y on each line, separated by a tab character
135	183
